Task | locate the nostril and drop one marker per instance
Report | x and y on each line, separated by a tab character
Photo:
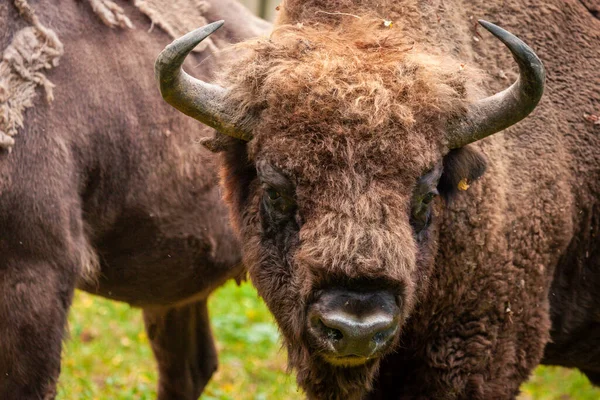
384	335
331	333
380	337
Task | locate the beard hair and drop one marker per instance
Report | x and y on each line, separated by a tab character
323	381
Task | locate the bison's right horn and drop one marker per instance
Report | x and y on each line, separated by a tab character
495	113
200	100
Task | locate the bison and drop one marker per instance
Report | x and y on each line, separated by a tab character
108	190
407	249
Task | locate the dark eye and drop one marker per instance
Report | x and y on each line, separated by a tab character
428	198
277	200
277	208
272	193
421	213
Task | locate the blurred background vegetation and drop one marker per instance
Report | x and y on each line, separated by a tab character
108	356
262	8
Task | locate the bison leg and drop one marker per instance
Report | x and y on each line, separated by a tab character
184	349
34	302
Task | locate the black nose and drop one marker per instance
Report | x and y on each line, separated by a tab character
353	323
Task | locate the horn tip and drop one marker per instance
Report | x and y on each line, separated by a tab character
193	38
213	26
174	53
206	30
519	48
493	28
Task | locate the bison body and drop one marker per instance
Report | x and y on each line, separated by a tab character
529	230
406	249
106	189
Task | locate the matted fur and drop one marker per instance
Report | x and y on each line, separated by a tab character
37	48
111	13
32	51
177	17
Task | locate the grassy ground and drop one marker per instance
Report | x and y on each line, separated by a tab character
108	356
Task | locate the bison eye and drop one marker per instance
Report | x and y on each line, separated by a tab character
428	198
272	193
421	212
278	192
278	200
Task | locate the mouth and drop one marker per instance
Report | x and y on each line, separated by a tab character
347	361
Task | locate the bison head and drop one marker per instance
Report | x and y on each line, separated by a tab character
339	143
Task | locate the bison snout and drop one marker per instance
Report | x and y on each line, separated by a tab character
353	327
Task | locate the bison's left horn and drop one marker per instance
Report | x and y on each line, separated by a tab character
200	100
498	112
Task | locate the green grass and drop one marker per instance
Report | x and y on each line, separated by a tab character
108	356
554	383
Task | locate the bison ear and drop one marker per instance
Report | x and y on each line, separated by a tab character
462	167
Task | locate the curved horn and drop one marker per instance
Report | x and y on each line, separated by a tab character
498	112
200	100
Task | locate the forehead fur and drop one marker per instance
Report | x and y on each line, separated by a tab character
319	96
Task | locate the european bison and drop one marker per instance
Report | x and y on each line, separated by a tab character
108	190
346	139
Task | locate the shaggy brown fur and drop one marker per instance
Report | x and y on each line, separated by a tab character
108	171
32	50
353	113
110	13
